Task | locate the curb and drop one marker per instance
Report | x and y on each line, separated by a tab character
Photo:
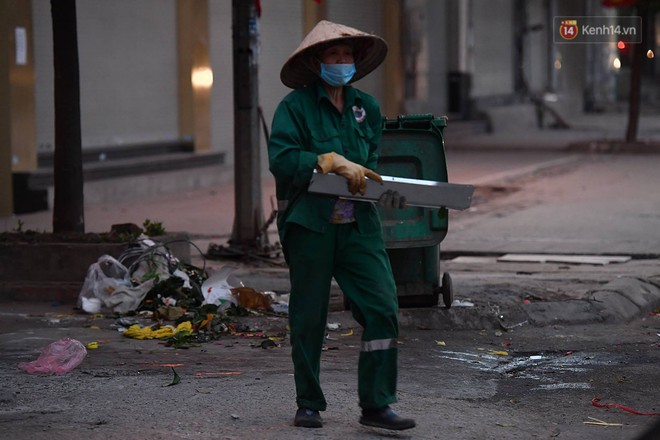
618	301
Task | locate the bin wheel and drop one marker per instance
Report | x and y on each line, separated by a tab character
447	290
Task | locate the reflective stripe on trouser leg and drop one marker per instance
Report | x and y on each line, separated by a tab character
365	277
310	256
378	344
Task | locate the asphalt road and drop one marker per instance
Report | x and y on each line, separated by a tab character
525	383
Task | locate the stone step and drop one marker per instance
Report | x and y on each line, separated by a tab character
108	169
45	159
121	171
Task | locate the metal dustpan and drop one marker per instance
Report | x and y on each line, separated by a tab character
422	193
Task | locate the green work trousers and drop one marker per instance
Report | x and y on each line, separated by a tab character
361	267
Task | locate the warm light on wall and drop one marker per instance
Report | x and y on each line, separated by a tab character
650	54
616	63
202	77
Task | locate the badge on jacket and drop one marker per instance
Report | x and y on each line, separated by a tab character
359	113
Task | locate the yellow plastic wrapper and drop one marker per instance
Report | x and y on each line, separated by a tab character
187	325
498	352
137	332
92	345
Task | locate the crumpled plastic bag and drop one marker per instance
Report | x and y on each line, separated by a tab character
59	357
110	284
107	284
217	289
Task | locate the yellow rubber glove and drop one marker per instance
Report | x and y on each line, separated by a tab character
355	174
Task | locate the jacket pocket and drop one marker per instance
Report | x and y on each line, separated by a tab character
325	140
365	140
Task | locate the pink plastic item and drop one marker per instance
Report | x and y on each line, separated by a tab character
59	357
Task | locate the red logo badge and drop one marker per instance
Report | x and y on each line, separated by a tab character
568	29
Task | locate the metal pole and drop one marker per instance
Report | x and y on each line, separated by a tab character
6	185
68	212
248	220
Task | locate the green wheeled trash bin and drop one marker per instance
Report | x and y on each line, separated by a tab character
412	146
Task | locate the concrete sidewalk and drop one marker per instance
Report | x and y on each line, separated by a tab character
208	211
514	127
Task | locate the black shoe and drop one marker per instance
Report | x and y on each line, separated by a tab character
308	418
385	418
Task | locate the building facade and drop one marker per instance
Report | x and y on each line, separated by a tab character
139	60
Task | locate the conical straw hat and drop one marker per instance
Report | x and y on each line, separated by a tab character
369	52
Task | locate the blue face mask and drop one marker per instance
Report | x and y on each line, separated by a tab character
337	75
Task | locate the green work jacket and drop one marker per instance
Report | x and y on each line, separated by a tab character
307	124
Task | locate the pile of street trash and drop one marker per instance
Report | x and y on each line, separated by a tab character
147	280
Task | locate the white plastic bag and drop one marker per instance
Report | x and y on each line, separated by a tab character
103	279
107	284
217	288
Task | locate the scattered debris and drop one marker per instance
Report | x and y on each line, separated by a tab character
511	327
157	364
600	422
266	344
498	352
595	402
175	380
250	298
157	332
217	288
563	386
169	313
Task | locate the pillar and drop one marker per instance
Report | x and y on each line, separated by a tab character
195	74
